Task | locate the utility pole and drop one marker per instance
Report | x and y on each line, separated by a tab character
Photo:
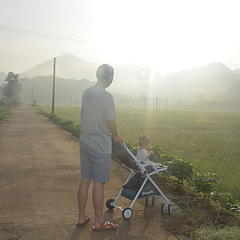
156	104
32	94
53	88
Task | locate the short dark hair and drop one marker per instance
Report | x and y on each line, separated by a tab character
143	140
105	74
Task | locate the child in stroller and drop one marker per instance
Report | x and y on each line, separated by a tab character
143	154
139	183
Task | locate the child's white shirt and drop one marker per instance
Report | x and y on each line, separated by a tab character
142	155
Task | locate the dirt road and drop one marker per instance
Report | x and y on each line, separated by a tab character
39	175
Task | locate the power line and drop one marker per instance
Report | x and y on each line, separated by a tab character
47	36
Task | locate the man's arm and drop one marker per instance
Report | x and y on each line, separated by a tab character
111	124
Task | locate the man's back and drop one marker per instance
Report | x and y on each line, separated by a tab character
97	107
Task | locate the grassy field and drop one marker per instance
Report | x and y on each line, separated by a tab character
209	140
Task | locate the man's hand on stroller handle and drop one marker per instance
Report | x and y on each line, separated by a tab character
117	139
111	124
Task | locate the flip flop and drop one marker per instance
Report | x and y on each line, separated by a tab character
106	226
84	223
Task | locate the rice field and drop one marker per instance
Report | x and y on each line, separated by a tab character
209	140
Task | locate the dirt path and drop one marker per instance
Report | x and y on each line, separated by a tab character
39	174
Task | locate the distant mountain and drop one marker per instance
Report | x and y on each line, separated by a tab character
212	82
68	91
67	66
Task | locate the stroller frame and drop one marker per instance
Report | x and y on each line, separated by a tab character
142	169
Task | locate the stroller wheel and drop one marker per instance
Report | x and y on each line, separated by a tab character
127	213
146	201
109	203
162	208
169	208
166	208
153	200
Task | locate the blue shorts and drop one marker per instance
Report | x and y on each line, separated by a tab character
94	165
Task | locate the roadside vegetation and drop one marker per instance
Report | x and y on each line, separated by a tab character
230	233
209	140
195	183
3	112
5	107
10	94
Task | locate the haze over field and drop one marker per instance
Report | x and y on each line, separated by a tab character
167	35
175	50
212	82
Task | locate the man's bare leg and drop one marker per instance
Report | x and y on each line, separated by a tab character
98	198
82	199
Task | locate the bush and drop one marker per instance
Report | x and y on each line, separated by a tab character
68	125
177	167
227	233
157	150
4	108
226	201
3	112
204	182
6	102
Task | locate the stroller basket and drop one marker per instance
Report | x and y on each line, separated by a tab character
131	189
139	183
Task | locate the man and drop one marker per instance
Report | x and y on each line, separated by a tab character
98	127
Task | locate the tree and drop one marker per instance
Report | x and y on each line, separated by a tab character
13	88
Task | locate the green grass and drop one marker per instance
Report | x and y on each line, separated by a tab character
229	233
209	140
3	112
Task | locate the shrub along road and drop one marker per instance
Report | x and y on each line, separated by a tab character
39	175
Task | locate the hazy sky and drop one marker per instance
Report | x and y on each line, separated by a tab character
170	34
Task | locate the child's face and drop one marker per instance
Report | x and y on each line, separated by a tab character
142	143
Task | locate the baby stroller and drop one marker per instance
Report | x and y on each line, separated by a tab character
139	183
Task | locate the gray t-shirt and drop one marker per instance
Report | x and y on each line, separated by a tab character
97	107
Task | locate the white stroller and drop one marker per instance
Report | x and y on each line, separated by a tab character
139	183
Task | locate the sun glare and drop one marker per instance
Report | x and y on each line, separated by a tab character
168	35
